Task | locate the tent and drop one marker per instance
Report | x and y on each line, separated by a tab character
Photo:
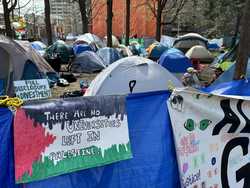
115	41
175	61
155	51
201	53
19	63
167	41
39	47
87	62
79	48
124	50
109	55
132	74
90	39
185	42
59	50
213	46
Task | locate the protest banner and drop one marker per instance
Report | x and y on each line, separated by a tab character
211	138
65	135
32	89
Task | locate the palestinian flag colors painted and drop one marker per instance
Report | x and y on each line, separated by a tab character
65	135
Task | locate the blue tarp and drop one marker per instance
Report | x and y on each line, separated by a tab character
7	179
175	61
79	48
157	51
154	161
239	87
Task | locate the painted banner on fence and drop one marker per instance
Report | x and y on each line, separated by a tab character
65	135
212	139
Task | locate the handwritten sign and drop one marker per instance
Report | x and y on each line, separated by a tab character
32	89
65	135
212	139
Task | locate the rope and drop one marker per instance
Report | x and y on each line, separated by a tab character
10	102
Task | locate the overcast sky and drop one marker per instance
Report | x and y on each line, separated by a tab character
38	4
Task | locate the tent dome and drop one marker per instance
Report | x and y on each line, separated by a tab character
143	73
185	42
19	61
109	55
199	52
156	50
175	61
79	48
87	62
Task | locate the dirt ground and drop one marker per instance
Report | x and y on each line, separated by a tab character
58	91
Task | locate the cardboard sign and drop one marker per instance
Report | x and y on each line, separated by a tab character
66	135
32	89
212	139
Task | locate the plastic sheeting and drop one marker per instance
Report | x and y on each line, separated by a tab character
109	55
154	161
79	48
239	88
7	179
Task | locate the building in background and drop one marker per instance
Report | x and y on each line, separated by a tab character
142	21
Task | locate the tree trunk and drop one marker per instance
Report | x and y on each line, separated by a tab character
244	47
7	11
127	22
158	22
82	5
47	21
236	31
109	22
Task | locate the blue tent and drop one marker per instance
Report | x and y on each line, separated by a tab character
79	48
175	61
109	55
239	87
157	51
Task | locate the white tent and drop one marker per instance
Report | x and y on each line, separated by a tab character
144	74
199	52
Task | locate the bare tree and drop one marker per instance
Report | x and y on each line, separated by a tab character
86	9
160	7
244	47
47	21
109	22
8	7
127	22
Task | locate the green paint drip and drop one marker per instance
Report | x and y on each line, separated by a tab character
45	169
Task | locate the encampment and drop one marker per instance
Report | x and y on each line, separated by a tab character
79	48
109	55
132	75
185	42
18	63
175	62
87	62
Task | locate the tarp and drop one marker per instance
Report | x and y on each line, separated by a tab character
153	164
7	179
175	61
239	87
156	50
227	76
79	48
